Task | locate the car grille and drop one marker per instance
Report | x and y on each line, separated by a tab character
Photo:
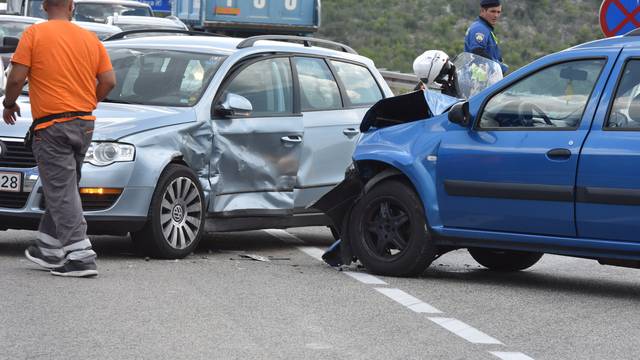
90	202
13	200
17	156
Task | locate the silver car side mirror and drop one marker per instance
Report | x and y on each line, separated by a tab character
234	105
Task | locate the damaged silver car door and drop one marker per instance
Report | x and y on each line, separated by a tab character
257	139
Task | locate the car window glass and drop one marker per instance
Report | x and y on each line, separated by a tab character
97	12
318	89
625	112
361	87
554	97
13	28
35	9
161	77
267	85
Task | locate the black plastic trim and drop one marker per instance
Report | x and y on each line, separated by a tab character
512	191
610	196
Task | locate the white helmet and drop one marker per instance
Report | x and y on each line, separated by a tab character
430	65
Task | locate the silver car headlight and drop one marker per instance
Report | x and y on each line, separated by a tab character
107	153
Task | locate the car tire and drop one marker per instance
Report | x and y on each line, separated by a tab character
389	232
504	260
176	216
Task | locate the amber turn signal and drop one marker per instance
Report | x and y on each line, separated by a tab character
100	191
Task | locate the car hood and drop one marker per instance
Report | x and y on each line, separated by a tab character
113	121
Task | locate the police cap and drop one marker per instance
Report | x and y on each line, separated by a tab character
489	3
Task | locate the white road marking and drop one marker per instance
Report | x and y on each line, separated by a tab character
456	326
408	301
314	252
284	236
289	238
365	278
510	355
465	331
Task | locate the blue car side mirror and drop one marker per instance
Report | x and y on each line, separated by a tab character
459	114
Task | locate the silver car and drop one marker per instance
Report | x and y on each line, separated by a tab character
207	133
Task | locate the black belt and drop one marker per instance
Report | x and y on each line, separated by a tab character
28	138
70	114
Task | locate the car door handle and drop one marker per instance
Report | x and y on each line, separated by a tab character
292	139
559	154
350	132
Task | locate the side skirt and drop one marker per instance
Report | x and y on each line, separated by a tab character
223	224
577	247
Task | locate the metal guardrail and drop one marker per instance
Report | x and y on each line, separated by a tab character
399	82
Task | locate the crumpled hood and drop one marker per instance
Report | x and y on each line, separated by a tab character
113	121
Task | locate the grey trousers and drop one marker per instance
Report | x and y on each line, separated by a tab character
59	151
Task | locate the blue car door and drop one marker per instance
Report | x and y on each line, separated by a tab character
608	186
514	170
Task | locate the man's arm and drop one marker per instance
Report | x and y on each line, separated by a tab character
15	81
106	82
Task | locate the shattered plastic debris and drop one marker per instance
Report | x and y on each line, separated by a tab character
254	257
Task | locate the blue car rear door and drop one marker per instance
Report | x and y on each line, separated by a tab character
515	169
608	182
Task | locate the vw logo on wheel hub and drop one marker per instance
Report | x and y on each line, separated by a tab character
177	213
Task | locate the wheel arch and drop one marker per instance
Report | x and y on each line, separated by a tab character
374	170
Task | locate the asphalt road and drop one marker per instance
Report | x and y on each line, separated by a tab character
217	305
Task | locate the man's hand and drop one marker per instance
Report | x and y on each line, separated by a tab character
9	114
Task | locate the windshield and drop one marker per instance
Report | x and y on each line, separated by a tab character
13	28
475	73
161	77
96	12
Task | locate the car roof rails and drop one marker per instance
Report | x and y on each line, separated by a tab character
123	34
249	42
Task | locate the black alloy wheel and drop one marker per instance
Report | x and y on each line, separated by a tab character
389	232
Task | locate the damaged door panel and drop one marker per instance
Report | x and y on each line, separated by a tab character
256	155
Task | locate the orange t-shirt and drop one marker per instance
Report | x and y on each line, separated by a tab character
63	61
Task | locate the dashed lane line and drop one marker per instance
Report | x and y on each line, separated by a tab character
510	355
465	331
365	278
408	301
455	326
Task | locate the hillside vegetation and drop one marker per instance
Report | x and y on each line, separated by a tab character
394	32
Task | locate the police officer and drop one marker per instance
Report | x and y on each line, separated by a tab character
480	38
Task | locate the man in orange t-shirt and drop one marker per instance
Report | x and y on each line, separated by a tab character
69	72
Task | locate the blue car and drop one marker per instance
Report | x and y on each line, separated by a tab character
546	160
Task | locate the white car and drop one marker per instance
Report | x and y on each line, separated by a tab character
127	23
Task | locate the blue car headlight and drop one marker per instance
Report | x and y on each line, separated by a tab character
107	153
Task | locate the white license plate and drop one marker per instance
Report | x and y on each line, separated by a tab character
10	181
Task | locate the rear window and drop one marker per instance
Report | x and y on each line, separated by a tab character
361	87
